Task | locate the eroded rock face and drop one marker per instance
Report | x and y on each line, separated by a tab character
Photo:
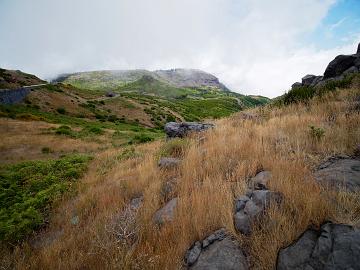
166	213
174	129
217	251
335	246
168	162
340	172
337	66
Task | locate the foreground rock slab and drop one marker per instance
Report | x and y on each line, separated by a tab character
335	246
217	251
166	213
174	129
340	172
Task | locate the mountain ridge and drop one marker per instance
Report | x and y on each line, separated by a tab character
178	77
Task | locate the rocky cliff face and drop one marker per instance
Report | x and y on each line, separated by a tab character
189	78
337	69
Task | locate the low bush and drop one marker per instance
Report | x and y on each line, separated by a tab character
61	110
28	190
316	132
141	138
174	148
64	130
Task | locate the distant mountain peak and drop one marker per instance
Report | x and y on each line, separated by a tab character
177	77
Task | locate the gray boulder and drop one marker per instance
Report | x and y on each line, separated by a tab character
340	172
260	180
335	246
221	252
240	202
166	213
249	210
168	162
296	85
308	79
174	129
242	222
337	66
263	198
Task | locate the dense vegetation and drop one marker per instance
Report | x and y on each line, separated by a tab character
305	93
28	189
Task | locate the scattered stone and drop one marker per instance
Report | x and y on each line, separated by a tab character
340	172
240	203
219	251
168	188
308	79
75	220
249	116
296	85
263	198
169	162
260	180
193	253
165	213
242	222
174	129
110	94
250	208
335	246
135	203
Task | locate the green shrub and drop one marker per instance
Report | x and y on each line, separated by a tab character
46	150
128	153
317	132
174	148
28	189
64	130
96	130
61	110
299	94
141	138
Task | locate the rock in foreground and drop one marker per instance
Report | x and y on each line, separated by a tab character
217	251
336	246
174	129
165	213
340	172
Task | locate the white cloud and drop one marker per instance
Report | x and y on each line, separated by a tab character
253	46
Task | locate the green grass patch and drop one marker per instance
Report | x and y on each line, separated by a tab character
29	189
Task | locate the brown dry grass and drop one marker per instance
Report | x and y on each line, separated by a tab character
24	140
213	172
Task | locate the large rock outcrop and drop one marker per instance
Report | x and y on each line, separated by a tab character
174	129
217	251
335	246
340	172
337	69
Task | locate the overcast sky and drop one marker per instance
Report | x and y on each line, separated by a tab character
253	46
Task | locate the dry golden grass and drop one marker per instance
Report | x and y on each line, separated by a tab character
212	174
24	140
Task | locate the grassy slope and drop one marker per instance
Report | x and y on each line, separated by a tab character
208	181
12	79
